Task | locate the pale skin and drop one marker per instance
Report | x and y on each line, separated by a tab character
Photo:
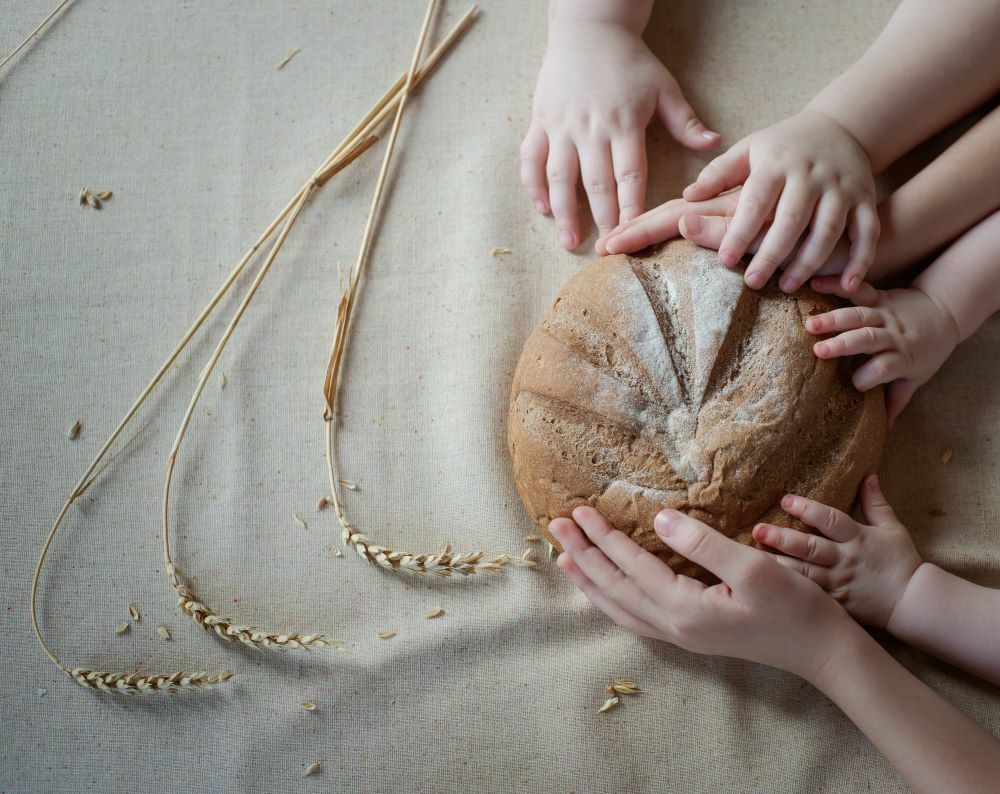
909	333
810	176
764	611
598	89
875	571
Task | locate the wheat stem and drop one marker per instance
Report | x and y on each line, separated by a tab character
354	144
35	32
446	562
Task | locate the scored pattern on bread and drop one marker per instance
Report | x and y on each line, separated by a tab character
661	381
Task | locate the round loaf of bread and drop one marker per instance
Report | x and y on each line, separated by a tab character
661	381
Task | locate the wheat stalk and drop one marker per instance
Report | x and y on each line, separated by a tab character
353	145
442	564
33	33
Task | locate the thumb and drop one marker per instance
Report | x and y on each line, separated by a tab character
703	545
873	504
680	120
897	396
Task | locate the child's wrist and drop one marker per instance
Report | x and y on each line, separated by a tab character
629	15
830	113
906	618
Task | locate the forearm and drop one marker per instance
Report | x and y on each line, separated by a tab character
959	188
932	63
926	739
629	14
951	618
965	279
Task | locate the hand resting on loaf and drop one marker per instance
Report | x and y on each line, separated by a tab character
762	610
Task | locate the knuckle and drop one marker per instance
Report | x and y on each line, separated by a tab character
698	540
829	520
827	231
630	175
812	547
555	176
598	186
790	220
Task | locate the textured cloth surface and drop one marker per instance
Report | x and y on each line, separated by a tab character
179	109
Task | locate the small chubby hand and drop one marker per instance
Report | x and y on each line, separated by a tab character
761	611
812	180
598	89
907	333
866	567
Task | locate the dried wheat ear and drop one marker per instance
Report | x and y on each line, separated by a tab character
356	143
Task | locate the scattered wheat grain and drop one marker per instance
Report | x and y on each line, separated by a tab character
121	628
133	612
434	613
386	635
74	432
322	504
308	705
350	485
301	520
609	704
946	455
312	769
163	631
104	195
500	249
532	538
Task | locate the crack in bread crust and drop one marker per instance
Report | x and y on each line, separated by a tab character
661	381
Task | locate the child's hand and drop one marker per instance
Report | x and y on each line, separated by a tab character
662	223
598	89
815	179
866	568
762	611
908	334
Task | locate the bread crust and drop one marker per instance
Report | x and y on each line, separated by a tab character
661	381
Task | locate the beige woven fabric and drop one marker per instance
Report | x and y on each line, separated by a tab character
178	108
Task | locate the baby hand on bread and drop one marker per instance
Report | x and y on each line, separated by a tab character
866	567
762	611
815	180
908	333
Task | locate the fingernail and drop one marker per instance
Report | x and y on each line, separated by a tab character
821	349
728	258
665	521
812	324
540	206
693	224
709	135
609	246
566	238
755	280
852	283
789	285
760	532
787	501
